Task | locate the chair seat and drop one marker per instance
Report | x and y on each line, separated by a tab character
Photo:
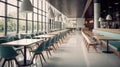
7	52
18	47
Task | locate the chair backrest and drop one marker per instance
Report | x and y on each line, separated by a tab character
48	43
28	37
3	41
32	35
41	47
40	33
16	38
7	52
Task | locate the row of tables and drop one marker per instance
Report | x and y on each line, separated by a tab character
27	42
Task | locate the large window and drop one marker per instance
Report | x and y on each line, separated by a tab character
13	21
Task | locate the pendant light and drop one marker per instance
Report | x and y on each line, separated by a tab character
26	6
50	13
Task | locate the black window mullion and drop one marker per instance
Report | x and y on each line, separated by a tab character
5	18
17	17
42	15
37	16
33	18
45	15
26	23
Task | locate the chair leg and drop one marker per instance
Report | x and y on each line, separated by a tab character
12	64
88	47
95	48
33	58
54	47
47	54
4	63
43	57
22	52
16	62
8	63
0	59
41	60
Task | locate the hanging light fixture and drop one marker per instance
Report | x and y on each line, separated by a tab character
100	19
100	22
108	17
50	13
26	6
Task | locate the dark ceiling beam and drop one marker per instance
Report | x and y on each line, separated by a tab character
86	7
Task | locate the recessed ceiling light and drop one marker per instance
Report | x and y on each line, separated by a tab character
110	7
116	3
104	10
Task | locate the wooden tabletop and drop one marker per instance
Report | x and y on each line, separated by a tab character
104	38
22	42
44	36
57	32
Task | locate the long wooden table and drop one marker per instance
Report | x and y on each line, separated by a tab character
107	39
23	42
44	36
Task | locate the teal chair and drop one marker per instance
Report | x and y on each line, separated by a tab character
32	35
49	46
18	48
38	52
3	41
8	54
28	37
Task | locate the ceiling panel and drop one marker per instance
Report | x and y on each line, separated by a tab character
71	8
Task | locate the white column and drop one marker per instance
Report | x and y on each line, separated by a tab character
96	14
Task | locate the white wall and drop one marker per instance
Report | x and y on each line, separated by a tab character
80	22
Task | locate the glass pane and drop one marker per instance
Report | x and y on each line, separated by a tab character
43	19
12	11
44	13
20	3
2	9
35	17
22	26
39	4
35	3
22	15
43	26
11	25
14	2
39	26
1	26
40	12
29	16
39	17
29	26
43	5
35	26
35	10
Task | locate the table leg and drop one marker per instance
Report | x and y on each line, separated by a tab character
25	62
25	55
107	49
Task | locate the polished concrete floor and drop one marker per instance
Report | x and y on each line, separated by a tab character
73	53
